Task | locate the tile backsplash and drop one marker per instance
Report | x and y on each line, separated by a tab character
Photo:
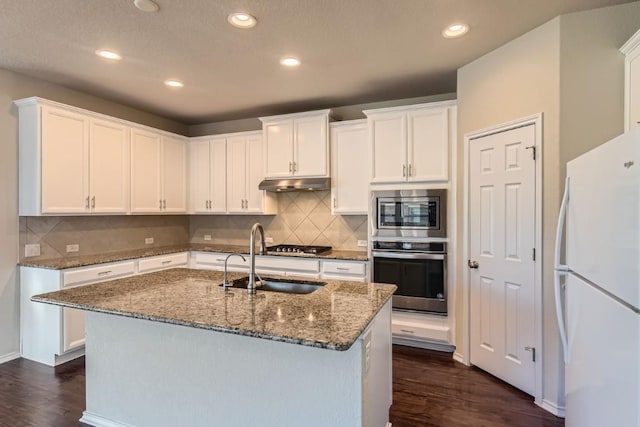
100	234
303	218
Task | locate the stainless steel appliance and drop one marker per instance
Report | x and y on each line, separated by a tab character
299	249
409	213
419	269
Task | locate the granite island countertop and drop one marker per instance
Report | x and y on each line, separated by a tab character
87	260
332	317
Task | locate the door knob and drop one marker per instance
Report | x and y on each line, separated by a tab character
473	264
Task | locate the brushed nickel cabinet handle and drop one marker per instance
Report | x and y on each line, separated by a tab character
102	273
164	204
295	167
404	171
334	202
410	173
290	167
166	262
160	201
93	202
342	269
87	203
407	331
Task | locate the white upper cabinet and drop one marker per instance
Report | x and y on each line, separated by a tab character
349	168
410	143
245	170
71	161
296	145
158	172
108	167
631	49
208	175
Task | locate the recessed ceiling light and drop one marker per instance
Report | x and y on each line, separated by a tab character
455	30
173	83
108	54
242	20
146	5
290	61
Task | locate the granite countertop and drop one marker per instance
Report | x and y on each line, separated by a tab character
332	317
86	260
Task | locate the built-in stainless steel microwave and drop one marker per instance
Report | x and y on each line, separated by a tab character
410	213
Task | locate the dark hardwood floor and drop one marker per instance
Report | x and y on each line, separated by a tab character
429	389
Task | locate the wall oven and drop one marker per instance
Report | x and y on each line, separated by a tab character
419	269
409	213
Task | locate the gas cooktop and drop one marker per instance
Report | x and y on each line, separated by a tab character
300	249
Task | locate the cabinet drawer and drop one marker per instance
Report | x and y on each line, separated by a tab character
161	262
292	265
215	261
344	268
98	274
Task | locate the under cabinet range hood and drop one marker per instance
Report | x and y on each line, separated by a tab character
296	184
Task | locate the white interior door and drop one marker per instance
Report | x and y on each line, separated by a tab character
501	242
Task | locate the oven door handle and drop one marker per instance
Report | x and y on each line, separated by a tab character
407	255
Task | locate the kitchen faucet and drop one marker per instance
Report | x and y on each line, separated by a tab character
251	286
225	282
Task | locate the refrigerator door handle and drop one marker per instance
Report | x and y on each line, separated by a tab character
561	270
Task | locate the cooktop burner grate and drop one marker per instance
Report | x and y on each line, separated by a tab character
302	249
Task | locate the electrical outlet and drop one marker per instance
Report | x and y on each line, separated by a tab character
32	250
73	248
148	241
207	237
268	239
362	243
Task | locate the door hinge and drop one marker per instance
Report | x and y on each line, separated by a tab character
534	253
533	352
532	147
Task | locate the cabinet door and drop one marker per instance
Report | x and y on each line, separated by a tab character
73	335
388	148
236	174
255	174
145	171
634	90
65	161
108	166
218	173
311	147
174	175
428	145
278	140
349	173
200	175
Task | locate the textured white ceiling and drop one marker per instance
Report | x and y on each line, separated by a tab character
352	51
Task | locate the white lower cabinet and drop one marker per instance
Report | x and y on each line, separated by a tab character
344	270
163	262
51	334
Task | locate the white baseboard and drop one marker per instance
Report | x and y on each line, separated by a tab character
429	345
99	421
460	358
552	407
9	356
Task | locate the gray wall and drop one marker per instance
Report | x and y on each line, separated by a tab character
14	86
349	112
569	69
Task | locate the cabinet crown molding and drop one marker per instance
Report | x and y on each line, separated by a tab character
267	119
631	44
412	107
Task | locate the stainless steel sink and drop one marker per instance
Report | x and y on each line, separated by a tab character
280	285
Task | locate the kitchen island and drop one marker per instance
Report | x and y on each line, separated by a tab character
173	348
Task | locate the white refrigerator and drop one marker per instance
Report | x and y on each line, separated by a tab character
598	312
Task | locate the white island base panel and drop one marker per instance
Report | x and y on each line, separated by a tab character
142	373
